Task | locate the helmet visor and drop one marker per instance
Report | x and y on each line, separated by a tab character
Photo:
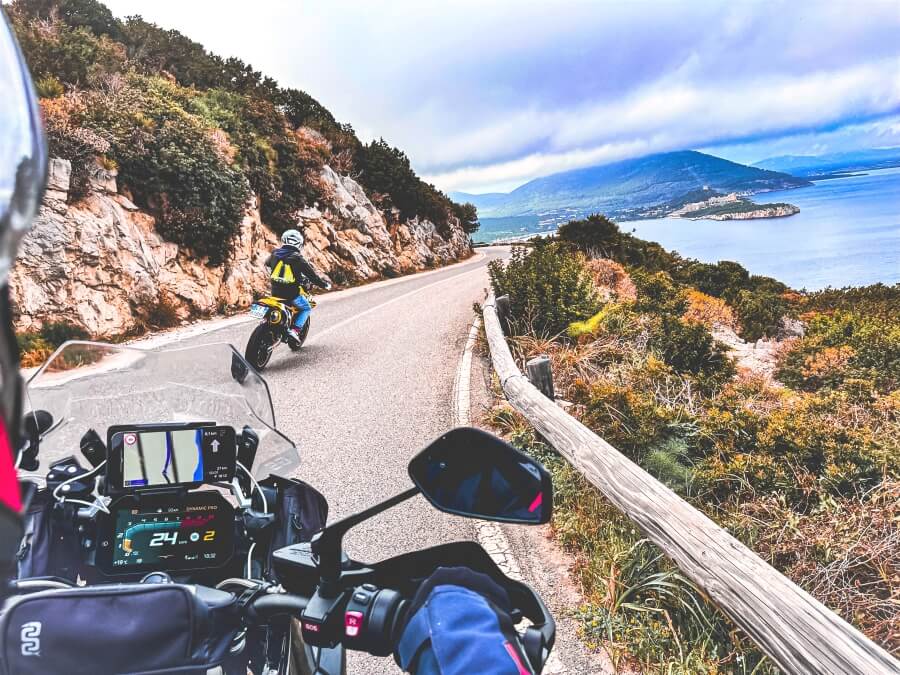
23	169
23	156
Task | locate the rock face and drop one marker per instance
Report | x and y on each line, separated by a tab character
101	265
761	357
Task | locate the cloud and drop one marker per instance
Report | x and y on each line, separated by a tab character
667	116
486	94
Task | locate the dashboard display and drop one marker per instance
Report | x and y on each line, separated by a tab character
163	456
150	534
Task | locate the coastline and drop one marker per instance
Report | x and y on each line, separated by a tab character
846	234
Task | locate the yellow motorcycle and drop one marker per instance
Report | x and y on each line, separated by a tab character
276	317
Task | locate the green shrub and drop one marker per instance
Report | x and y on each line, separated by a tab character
282	173
877	300
657	293
89	14
631	420
842	347
548	288
756	440
71	54
162	314
49	87
168	158
759	313
386	170
58	332
467	215
668	463
595	234
689	347
722	279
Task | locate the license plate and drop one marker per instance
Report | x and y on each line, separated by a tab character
259	311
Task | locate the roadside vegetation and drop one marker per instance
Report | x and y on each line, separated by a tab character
799	460
191	134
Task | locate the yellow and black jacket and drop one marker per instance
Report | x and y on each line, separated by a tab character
290	270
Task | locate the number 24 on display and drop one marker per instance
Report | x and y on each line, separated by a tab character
163	538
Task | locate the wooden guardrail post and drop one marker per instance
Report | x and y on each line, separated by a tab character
797	632
540	374
502	305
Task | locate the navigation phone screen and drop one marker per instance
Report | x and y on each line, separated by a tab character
169	456
162	457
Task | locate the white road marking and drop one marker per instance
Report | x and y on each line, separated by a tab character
490	535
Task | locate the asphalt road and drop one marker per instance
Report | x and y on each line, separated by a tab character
372	386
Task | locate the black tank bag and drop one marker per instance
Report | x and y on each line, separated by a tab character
300	510
47	548
118	629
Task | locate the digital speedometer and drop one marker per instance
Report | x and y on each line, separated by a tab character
155	533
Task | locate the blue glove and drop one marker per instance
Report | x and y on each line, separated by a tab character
459	623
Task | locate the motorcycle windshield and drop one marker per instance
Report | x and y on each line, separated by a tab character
90	385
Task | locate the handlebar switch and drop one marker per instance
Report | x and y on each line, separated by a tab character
320	622
353	623
371	620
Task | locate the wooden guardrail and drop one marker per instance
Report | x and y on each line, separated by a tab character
796	631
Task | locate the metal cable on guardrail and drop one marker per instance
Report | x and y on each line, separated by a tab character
796	631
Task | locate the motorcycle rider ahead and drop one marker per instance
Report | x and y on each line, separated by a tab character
288	272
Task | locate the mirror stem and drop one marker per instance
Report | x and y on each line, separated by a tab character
327	543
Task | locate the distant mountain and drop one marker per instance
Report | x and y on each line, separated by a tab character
817	165
630	187
488	198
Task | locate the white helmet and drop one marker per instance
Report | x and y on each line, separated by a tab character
292	238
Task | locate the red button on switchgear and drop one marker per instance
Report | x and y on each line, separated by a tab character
353	622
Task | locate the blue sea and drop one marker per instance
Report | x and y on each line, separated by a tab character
846	234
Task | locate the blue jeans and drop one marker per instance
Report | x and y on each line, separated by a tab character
301	303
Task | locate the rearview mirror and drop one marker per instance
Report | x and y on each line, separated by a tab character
469	472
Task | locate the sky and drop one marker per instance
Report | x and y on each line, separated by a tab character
484	95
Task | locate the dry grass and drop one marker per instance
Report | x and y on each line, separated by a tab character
611	280
847	555
709	311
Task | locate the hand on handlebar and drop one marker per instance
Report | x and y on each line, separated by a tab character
460	620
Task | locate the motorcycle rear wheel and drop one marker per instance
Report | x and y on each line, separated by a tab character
260	346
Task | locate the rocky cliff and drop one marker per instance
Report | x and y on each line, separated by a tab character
763	211
100	263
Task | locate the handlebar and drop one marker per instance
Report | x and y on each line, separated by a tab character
270	605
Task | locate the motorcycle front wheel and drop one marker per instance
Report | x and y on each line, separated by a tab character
260	346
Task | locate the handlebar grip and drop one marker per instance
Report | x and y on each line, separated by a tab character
268	606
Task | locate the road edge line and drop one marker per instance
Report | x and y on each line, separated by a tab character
489	534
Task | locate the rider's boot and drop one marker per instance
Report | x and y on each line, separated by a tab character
293	337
